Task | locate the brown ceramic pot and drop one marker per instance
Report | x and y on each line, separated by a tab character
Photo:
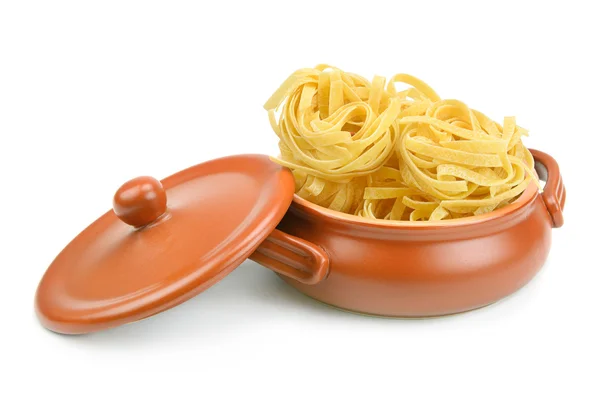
165	242
417	269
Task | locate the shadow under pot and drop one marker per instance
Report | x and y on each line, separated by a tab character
165	242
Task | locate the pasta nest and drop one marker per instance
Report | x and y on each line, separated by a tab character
364	148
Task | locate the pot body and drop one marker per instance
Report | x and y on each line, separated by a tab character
417	269
424	272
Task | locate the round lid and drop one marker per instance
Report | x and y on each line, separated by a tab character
163	243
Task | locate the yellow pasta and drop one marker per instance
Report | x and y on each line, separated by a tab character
364	148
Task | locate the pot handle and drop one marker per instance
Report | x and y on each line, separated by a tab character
554	194
292	257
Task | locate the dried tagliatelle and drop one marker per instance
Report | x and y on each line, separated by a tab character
363	147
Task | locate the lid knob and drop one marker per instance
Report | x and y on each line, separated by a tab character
140	201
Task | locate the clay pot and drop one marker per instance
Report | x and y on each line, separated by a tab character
167	241
417	269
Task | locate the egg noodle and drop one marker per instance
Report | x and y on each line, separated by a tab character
364	148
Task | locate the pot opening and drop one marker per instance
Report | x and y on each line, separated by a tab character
302	206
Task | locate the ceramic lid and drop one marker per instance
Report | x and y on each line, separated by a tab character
163	243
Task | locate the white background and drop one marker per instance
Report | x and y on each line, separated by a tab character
95	93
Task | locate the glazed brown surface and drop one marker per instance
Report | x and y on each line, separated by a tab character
554	194
418	269
293	257
163	244
167	241
140	201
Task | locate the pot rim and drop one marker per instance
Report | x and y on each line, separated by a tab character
528	196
